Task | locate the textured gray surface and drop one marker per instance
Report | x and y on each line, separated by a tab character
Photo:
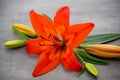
15	64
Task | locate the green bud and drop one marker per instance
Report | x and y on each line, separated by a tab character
91	68
14	43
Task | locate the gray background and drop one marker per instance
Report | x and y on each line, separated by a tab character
15	64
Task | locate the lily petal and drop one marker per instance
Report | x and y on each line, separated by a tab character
80	32
61	19
47	62
33	46
37	46
69	61
42	25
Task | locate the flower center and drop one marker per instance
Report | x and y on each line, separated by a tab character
53	41
61	42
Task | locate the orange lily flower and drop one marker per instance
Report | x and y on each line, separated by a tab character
57	40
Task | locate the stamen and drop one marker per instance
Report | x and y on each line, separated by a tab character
42	44
48	39
49	36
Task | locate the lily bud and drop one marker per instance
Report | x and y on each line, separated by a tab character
14	43
103	50
25	29
91	68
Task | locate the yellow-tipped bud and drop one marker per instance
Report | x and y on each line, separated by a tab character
103	50
25	29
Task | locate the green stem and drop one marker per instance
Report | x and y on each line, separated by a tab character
83	62
80	58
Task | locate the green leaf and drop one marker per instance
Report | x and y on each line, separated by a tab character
91	68
94	62
47	17
89	58
21	34
101	38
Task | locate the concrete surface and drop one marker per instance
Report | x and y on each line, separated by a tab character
15	64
